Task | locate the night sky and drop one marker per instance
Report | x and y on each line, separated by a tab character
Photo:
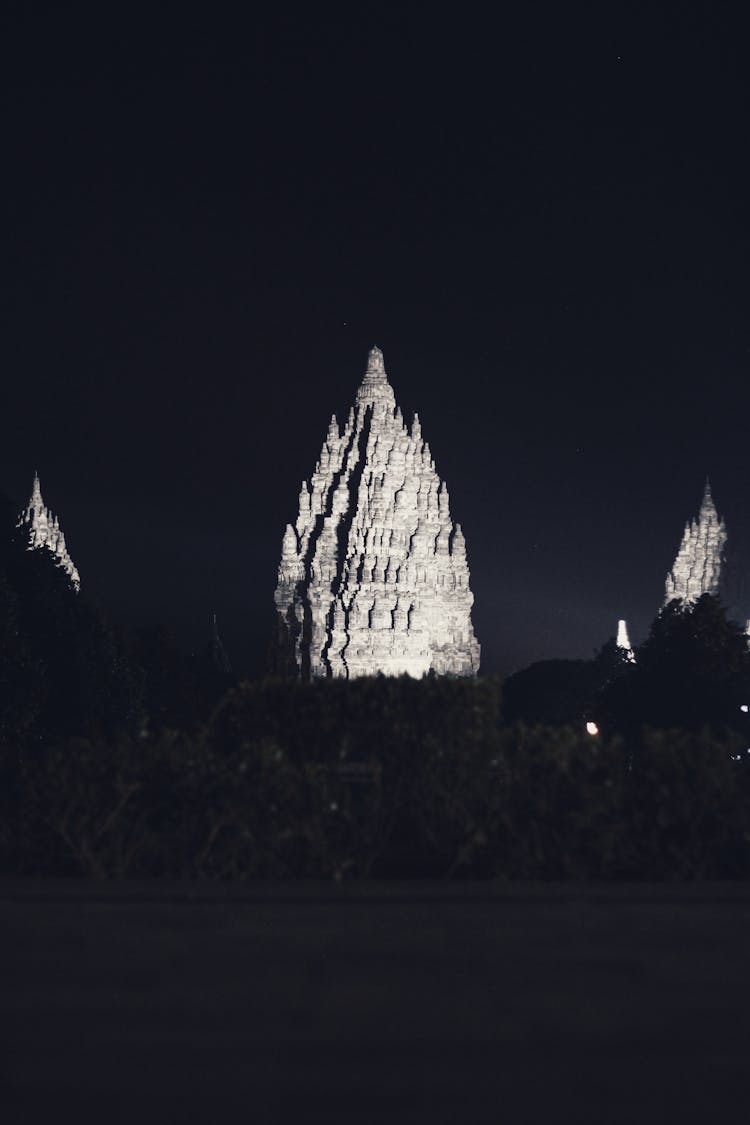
541	219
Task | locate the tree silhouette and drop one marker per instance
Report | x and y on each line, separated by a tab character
62	668
693	670
562	691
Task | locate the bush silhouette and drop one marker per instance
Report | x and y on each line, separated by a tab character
693	670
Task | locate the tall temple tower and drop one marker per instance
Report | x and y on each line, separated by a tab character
697	568
45	533
373	575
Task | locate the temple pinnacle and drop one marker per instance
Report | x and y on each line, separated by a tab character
43	530
698	566
623	641
375	387
708	500
375	364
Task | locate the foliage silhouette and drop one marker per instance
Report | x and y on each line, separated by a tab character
562	691
693	670
63	670
378	778
181	688
139	760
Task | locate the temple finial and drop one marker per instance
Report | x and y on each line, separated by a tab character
375	387
375	364
708	504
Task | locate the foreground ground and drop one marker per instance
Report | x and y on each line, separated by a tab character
374	1003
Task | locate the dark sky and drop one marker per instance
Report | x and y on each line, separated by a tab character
540	218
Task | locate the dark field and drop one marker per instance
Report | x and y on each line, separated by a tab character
374	1003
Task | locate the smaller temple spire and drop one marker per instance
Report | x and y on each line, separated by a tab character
375	364
458	543
698	566
289	544
44	531
623	641
707	503
333	430
375	388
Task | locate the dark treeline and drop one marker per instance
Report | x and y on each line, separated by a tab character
66	670
379	778
120	755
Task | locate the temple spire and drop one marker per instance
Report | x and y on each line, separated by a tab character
373	577
623	641
375	387
44	531
697	568
708	500
375	364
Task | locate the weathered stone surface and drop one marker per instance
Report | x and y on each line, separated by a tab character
373	575
697	568
44	532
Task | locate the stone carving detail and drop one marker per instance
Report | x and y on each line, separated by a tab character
373	575
697	568
44	531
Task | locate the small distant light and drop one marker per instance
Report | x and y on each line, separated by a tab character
744	707
592	728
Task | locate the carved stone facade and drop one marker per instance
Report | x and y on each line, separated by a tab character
44	532
373	575
697	568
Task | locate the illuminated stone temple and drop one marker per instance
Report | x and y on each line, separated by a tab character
45	534
373	575
698	566
623	641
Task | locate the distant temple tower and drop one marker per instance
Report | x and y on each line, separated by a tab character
373	575
44	532
623	641
697	568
